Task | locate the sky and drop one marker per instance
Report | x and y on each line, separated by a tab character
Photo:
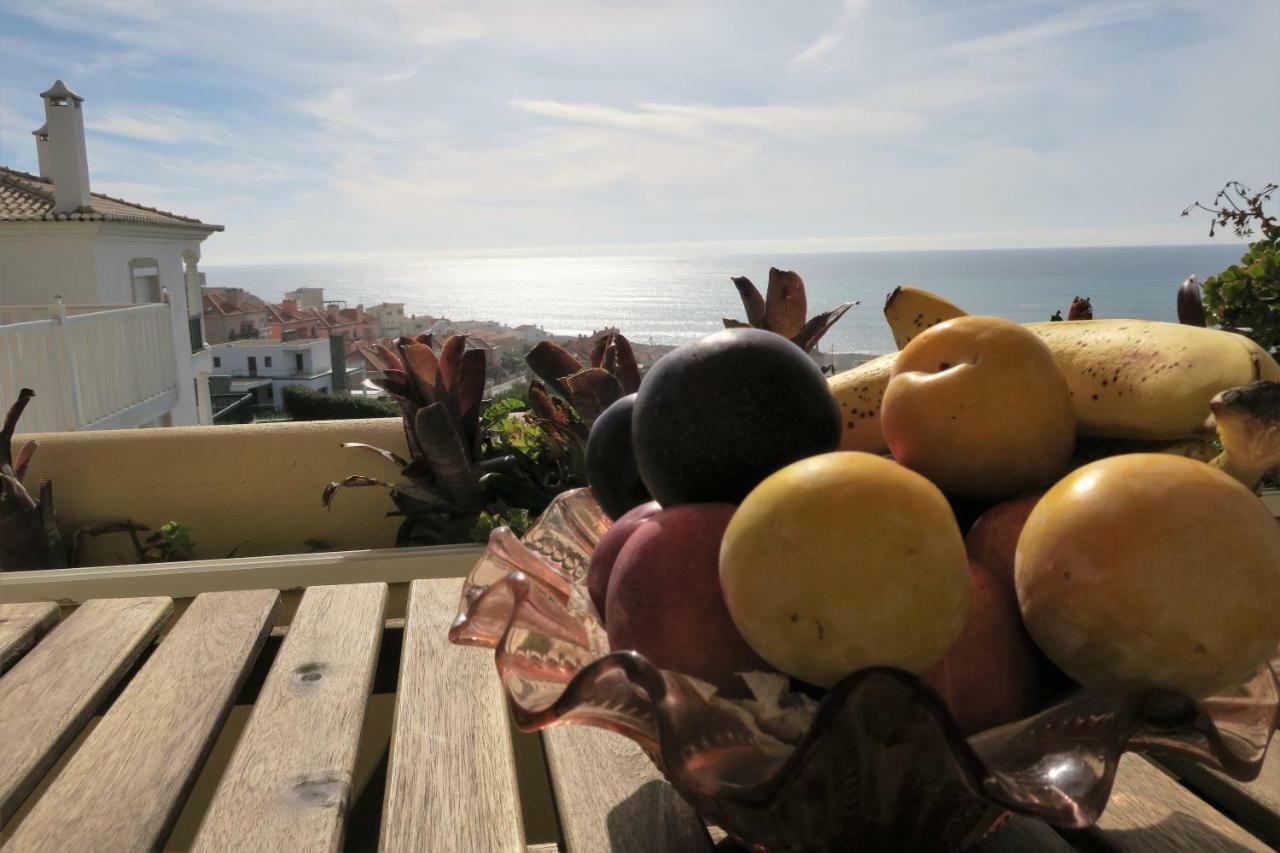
319	130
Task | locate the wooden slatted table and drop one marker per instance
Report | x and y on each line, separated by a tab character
225	734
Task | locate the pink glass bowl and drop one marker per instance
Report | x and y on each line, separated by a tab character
882	765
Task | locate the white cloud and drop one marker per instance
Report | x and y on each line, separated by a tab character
850	10
416	124
151	124
820	47
698	120
1069	23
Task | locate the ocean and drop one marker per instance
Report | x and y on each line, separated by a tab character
675	299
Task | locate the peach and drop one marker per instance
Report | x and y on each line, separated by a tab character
607	549
993	538
664	598
990	675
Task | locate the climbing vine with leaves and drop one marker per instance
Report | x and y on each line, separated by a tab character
1246	295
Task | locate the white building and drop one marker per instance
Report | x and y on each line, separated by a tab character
307	297
59	239
391	318
265	367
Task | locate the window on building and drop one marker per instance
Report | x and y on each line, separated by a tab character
145	275
195	330
298	360
271	392
266	362
217	362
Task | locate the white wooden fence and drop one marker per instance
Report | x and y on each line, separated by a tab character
90	366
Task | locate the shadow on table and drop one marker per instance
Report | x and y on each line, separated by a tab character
1178	831
631	822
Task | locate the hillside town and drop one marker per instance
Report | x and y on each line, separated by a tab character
105	311
260	347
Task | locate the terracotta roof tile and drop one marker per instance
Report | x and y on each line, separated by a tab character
29	198
225	307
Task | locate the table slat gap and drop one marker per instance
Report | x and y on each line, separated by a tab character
288	783
125	786
1255	805
451	783
49	695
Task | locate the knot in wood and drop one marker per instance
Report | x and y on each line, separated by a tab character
309	673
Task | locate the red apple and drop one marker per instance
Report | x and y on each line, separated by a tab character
990	675
606	552
664	599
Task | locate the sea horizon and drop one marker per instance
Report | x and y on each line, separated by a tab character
669	299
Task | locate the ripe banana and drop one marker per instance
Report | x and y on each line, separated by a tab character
1247	445
1132	379
911	310
859	391
1147	380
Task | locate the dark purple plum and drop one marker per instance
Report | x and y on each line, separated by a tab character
611	462
716	416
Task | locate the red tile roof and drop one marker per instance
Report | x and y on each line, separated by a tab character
29	198
226	307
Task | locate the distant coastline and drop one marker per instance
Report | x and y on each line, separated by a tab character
665	301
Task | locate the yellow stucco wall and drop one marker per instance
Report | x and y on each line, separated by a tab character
260	482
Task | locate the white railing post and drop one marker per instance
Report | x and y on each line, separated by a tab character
60	317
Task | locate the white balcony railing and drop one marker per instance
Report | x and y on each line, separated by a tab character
92	367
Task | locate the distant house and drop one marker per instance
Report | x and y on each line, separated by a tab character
530	334
307	297
60	239
317	318
265	367
287	319
390	317
231	314
355	325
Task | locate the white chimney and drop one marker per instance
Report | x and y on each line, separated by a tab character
68	163
42	150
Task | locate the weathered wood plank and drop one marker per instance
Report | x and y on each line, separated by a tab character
126	784
288	784
451	783
49	694
1151	813
610	797
1256	804
21	625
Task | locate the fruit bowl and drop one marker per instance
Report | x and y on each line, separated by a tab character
877	764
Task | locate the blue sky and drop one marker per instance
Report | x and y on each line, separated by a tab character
317	129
